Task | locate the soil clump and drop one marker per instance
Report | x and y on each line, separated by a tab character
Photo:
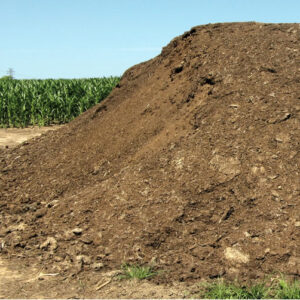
191	164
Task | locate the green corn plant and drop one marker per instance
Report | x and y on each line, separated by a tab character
44	102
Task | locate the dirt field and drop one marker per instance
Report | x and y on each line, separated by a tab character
20	279
23	280
11	137
192	163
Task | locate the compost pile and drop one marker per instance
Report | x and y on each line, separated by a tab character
192	164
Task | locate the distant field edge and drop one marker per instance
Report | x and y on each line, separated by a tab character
42	102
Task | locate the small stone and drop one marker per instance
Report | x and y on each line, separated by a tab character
282	138
234	105
107	251
96	170
49	244
254	169
83	259
236	255
269	231
86	239
97	266
100	256
275	193
297	224
226	214
68	235
77	231
40	213
293	154
57	258
177	69
52	204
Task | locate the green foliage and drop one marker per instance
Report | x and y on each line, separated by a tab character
8	77
287	290
258	291
231	291
50	101
135	271
279	289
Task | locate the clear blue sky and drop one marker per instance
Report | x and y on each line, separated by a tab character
94	38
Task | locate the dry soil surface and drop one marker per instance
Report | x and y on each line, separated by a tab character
26	280
10	137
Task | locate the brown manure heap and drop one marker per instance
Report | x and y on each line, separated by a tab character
192	163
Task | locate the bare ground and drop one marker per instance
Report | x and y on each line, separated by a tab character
10	137
23	280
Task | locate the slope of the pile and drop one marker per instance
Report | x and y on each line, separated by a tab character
191	162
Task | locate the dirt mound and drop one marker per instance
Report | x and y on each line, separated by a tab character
192	163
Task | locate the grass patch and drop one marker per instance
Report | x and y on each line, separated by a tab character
221	290
136	272
278	289
287	290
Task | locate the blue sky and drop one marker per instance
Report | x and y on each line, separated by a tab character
95	38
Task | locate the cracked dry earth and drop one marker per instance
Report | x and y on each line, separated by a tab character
191	163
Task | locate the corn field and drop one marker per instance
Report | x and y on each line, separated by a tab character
50	101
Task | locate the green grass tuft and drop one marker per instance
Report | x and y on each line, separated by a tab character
258	291
278	289
221	290
285	290
136	272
